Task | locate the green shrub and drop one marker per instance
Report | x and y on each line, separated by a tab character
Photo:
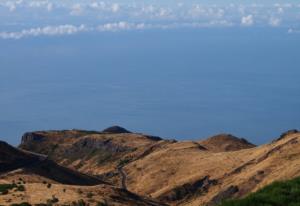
123	162
102	204
21	188
49	185
285	193
4	188
80	203
89	195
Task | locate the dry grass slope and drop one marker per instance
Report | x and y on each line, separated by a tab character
178	173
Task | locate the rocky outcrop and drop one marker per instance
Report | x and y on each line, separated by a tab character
115	130
285	134
29	137
188	189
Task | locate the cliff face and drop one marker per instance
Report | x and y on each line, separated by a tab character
29	137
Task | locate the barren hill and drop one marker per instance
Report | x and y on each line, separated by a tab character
225	143
97	153
34	179
178	173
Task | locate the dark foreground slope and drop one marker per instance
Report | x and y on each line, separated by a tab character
34	179
12	159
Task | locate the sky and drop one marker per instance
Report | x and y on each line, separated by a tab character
177	69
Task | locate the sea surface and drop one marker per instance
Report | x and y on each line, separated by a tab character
175	83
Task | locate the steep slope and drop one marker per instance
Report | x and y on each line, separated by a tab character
32	178
13	159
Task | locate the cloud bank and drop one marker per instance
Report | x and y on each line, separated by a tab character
24	18
44	31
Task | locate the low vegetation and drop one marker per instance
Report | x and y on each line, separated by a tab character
4	188
285	193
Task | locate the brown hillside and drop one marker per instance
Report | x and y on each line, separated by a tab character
225	143
37	180
178	173
97	153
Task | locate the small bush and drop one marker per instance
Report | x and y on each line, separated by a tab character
53	200
80	203
123	162
5	192
89	195
49	185
102	204
21	188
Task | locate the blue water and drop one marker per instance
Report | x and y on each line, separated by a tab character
176	84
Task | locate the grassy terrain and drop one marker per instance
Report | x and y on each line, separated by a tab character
285	193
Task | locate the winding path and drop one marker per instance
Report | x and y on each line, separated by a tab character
123	177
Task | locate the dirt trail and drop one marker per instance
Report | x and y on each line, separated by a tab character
123	178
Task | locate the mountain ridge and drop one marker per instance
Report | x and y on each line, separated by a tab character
202	172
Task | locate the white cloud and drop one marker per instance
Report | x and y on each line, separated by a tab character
49	7
76	9
44	31
247	20
115	7
11	6
97	5
107	27
273	21
293	31
120	26
280	10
